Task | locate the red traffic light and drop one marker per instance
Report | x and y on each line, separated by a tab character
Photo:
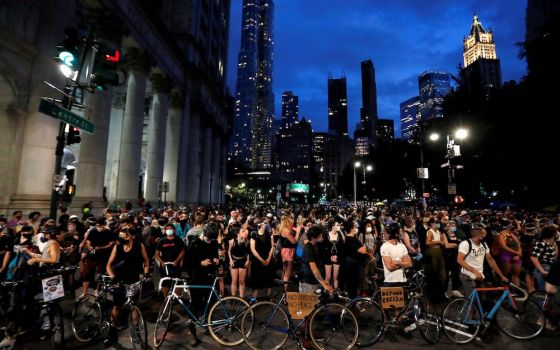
114	58
458	199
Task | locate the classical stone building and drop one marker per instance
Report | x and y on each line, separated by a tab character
168	121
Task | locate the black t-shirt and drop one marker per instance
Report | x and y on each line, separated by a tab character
170	248
128	265
101	239
6	245
554	274
351	246
310	254
199	251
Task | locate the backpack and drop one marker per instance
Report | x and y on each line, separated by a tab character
470	247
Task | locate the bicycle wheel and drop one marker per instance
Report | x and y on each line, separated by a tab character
87	317
522	322
333	326
461	322
162	321
137	328
370	320
56	326
265	327
224	320
427	321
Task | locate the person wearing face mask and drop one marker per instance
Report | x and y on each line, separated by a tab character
97	246
50	254
312	276
128	260
169	255
435	263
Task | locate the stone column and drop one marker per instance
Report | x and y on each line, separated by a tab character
93	151
206	166
183	167
216	172
173	143
133	123
157	125
193	165
114	147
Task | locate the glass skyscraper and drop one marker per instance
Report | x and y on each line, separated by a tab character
410	115
338	109
433	87
368	113
250	144
290	109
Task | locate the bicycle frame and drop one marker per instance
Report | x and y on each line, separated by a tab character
187	287
474	298
291	325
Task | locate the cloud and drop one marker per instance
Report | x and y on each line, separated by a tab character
403	38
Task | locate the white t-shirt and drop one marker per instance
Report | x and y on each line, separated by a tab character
396	252
476	258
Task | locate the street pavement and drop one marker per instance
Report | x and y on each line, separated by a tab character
178	337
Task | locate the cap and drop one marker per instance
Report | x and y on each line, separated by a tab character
73	217
463	212
269	215
370	217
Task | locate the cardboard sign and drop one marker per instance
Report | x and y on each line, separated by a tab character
392	297
301	304
53	288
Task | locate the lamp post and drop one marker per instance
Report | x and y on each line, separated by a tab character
369	168
452	150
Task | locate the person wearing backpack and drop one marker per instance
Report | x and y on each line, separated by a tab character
472	254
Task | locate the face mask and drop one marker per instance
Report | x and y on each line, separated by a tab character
43	239
368	229
453	228
169	232
438	226
122	241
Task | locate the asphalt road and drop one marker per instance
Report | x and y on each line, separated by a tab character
178	338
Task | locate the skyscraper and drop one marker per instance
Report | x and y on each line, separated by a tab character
250	144
369	99
433	86
290	109
386	131
410	115
338	109
481	64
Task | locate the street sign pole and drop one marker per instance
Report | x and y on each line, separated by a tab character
70	90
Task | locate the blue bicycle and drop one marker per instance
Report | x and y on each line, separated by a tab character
223	318
519	318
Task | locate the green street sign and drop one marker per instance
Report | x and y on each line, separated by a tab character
66	116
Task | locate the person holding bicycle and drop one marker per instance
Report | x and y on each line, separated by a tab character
127	261
169	255
312	278
471	256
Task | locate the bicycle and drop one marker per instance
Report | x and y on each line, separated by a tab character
91	314
220	319
372	317
46	315
267	325
463	318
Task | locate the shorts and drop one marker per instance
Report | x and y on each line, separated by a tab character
507	258
89	266
239	263
288	254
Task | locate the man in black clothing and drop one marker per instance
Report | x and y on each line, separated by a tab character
203	262
169	255
312	277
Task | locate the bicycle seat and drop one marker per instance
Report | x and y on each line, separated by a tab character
10	283
216	275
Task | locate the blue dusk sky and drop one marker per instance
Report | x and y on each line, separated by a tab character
403	38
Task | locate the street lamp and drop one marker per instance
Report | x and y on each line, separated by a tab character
369	168
452	150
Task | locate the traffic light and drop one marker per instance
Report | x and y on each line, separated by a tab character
73	136
458	199
68	51
105	67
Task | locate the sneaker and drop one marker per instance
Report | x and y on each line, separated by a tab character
457	294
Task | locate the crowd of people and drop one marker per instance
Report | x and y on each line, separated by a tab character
317	246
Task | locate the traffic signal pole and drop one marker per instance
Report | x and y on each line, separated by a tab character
67	102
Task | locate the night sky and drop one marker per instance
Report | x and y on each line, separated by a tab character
313	38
